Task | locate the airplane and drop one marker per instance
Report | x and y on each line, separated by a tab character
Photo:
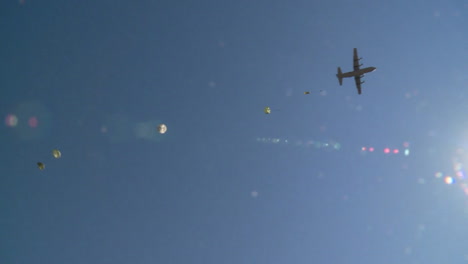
357	73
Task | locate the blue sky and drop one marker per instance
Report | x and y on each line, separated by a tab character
227	183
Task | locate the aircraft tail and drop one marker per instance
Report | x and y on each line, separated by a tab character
339	75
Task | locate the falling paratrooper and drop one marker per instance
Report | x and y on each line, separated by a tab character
162	128
309	92
267	110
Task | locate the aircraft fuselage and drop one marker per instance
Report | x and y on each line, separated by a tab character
359	72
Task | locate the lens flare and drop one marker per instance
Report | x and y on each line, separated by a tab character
457	166
11	120
459	177
33	122
329	145
448	180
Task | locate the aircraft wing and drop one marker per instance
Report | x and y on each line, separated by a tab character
356	59
357	79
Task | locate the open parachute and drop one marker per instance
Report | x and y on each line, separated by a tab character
267	110
40	165
162	128
56	153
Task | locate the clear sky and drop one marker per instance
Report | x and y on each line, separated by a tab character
309	183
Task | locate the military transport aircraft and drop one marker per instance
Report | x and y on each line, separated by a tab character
357	73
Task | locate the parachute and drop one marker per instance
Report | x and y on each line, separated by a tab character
56	153
40	165
267	110
306	92
162	128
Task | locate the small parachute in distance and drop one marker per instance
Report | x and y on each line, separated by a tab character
162	128
56	153
40	165
267	110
